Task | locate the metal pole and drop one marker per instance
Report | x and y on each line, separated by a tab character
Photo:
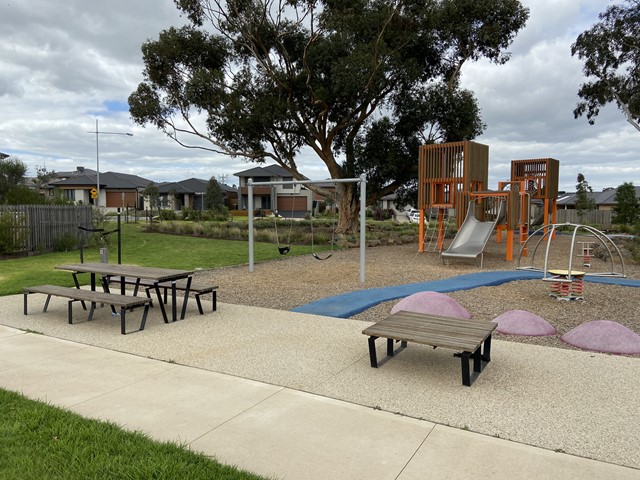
250	211
98	132
119	240
363	224
97	168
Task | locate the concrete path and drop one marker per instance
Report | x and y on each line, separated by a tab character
271	430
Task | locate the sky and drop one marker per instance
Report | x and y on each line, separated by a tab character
64	65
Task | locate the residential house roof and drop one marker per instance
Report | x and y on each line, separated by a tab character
606	197
190	185
268	171
111	180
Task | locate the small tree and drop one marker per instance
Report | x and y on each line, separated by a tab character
12	172
151	194
627	209
214	198
584	202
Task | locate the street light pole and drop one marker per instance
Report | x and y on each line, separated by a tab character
98	133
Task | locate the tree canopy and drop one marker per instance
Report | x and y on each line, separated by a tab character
627	208
610	50
214	198
265	79
12	172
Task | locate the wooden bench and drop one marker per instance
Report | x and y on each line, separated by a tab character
78	295
197	288
464	335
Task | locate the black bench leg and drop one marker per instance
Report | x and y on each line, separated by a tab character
199	303
70	312
46	303
25	302
91	310
372	352
390	347
77	284
162	308
466	377
123	321
486	354
185	300
214	301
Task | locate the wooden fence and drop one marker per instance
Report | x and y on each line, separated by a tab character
37	227
594	217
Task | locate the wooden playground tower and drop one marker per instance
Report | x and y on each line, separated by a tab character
453	174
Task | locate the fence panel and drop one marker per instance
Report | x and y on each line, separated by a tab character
37	227
594	217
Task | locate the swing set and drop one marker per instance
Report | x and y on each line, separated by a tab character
284	249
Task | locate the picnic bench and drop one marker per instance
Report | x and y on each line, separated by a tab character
197	288
471	338
78	295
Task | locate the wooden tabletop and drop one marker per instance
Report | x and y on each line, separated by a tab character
151	273
437	331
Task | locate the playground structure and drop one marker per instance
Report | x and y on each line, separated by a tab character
566	281
453	177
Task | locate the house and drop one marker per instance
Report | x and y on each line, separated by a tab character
117	190
190	193
605	200
289	200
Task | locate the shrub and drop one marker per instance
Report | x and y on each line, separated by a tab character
11	240
65	243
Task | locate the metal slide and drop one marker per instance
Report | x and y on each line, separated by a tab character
472	238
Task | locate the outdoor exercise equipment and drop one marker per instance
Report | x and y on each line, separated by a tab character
103	234
567	281
362	180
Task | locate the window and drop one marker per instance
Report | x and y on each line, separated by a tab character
70	195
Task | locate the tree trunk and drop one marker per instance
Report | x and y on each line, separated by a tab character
348	208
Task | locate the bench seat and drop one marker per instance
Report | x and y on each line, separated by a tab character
74	294
197	288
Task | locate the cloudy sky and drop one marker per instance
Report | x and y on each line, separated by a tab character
65	64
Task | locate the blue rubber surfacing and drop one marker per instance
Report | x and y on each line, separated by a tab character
351	303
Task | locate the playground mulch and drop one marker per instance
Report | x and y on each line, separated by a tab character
295	280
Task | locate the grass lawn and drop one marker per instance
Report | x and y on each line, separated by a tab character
42	442
138	248
39	441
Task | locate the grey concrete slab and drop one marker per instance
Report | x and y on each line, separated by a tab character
77	375
454	453
17	351
297	435
181	404
576	402
582	403
9	332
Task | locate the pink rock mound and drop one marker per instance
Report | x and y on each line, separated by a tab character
431	303
521	322
604	336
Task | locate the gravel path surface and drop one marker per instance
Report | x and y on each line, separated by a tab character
295	280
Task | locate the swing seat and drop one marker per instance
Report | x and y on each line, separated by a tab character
318	257
284	250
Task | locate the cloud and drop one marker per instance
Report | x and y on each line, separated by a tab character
64	64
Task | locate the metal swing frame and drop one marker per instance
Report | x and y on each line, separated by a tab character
362	180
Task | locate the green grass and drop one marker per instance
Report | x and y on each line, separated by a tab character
42	442
138	248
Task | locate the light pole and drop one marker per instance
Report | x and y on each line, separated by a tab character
98	133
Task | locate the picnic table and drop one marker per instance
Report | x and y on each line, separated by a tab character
471	338
156	275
